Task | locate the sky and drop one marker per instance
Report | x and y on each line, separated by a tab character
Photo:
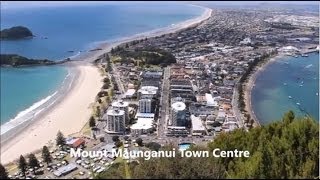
25	4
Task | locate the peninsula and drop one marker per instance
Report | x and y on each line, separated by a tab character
15	60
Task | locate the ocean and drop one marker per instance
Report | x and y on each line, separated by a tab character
287	84
59	30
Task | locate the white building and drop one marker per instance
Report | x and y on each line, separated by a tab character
246	41
148	91
130	93
289	49
115	121
122	105
178	114
146	105
177	99
197	127
211	102
221	117
142	126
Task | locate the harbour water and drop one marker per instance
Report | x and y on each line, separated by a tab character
69	31
287	84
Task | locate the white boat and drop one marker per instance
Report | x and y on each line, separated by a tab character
317	94
304	55
301	85
308	66
298	104
285	84
289	97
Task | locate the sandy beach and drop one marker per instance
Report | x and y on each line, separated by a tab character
69	116
73	110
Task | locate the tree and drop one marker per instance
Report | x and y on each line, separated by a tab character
139	141
22	165
107	98
33	162
118	144
98	111
60	140
126	138
289	117
3	172
284	149
99	101
101	139
278	150
153	146
167	168
46	155
92	122
115	138
105	86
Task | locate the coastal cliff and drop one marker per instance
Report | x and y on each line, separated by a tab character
16	60
15	33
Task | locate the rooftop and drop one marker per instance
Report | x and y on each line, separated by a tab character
179	106
197	124
148	90
143	123
115	112
210	100
120	103
65	169
130	92
145	115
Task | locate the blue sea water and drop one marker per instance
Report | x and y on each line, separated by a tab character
23	87
295	77
76	28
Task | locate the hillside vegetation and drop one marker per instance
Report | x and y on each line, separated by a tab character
14	33
16	60
288	148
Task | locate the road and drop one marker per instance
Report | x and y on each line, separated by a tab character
117	78
164	112
236	110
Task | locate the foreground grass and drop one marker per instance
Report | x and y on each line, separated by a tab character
126	167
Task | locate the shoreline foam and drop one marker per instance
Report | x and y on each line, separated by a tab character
18	123
11	149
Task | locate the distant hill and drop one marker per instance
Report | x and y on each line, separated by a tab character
16	60
14	33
